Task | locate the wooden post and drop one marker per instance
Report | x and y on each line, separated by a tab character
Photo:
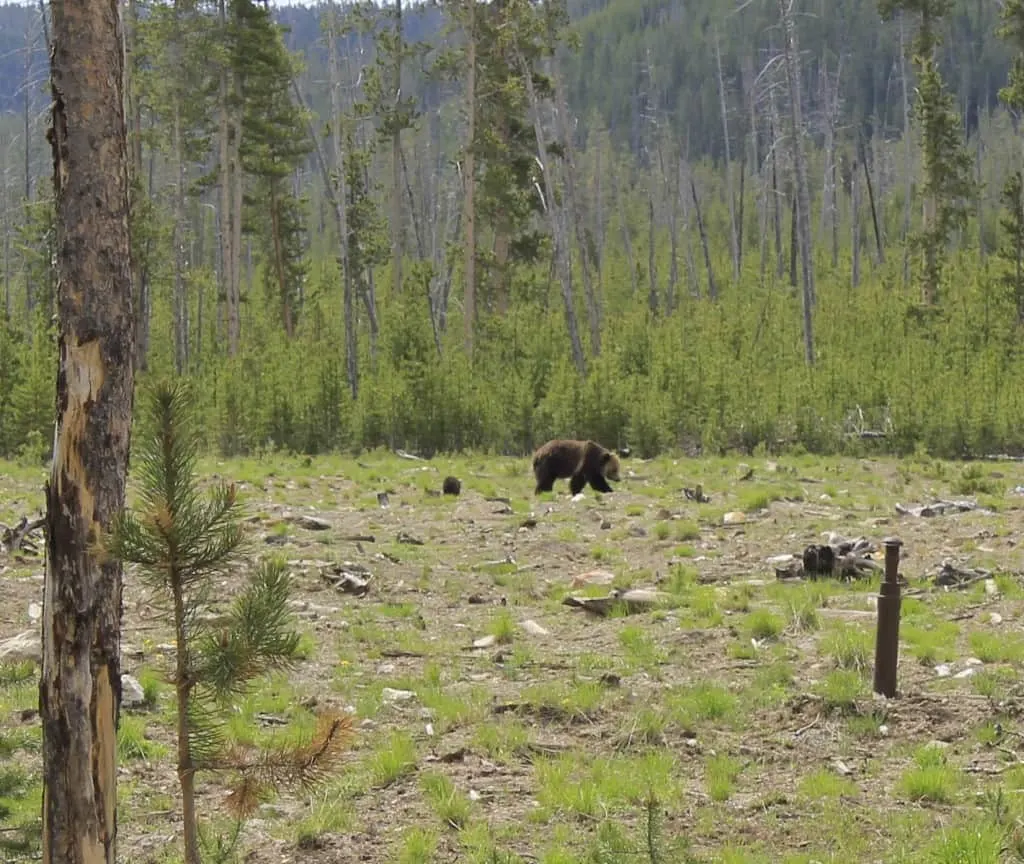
887	636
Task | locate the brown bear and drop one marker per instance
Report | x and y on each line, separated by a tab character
581	461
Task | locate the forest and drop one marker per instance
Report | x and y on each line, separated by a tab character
474	226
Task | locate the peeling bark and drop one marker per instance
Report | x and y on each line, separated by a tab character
80	690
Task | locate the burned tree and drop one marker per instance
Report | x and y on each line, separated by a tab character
80	690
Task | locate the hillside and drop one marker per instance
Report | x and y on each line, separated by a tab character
647	60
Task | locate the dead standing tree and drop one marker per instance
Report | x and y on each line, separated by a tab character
791	57
80	690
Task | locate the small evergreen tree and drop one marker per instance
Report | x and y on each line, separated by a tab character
947	166
1011	250
180	543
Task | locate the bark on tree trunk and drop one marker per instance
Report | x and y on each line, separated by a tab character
855	225
80	690
803	198
733	238
907	176
559	229
576	214
137	191
397	246
469	218
179	230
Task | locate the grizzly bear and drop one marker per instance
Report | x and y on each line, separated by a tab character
581	461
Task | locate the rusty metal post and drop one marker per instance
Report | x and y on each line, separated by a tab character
887	636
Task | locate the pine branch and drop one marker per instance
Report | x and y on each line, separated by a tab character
301	767
256	638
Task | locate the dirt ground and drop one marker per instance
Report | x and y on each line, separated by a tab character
741	705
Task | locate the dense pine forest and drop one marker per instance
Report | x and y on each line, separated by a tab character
469	225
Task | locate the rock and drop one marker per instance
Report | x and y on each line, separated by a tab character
131	691
593	577
734	517
24	646
311	523
485	641
390	695
533	628
35	611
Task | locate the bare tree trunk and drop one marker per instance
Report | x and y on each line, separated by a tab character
235	163
830	96
862	152
652	294
684	202
627	243
576	214
673	227
855	225
80	689
773	126
556	213
794	242
792	57
397	236
137	190
340	202
178	235
907	176
712	287
6	214
230	247
980	192
469	209
28	90
733	239
598	205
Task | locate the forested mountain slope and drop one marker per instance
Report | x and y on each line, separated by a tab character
641	59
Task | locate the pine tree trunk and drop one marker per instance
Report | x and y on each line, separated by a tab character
339	199
627	243
907	169
576	214
652	293
803	198
228	257
180	300
556	213
773	125
140	278
397	246
712	287
469	218
855	225
80	690
733	239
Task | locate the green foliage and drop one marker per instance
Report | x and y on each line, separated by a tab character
182	543
946	165
20	784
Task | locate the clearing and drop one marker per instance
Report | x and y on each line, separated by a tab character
734	723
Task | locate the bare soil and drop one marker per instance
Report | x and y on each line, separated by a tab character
445	569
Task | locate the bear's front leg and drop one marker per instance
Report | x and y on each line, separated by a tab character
599	484
576	483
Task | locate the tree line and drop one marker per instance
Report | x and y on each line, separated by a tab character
481	225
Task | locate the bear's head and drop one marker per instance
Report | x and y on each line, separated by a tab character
610	466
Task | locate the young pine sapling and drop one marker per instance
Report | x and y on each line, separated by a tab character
183	544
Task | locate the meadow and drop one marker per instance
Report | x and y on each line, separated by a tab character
732	722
